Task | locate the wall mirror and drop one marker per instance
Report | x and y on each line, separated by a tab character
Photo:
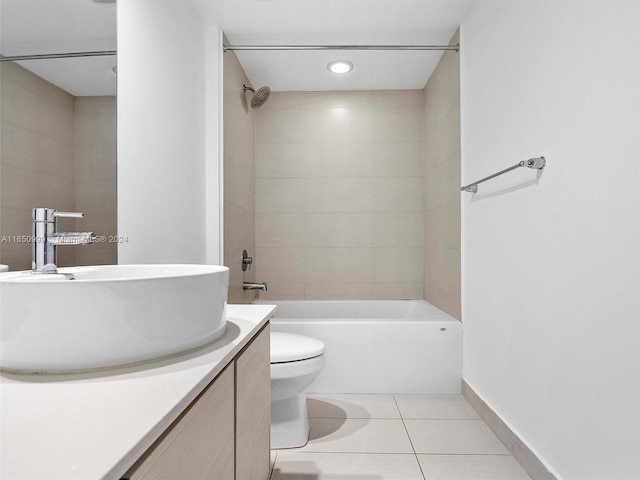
58	115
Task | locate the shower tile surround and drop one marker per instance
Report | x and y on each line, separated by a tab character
95	176
357	193
339	195
441	183
58	151
239	180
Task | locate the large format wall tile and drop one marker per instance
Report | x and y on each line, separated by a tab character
345	199
58	151
442	185
240	180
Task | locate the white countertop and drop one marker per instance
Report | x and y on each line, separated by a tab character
95	425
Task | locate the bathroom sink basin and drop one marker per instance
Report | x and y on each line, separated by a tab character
97	317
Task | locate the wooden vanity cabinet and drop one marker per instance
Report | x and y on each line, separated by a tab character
224	434
253	410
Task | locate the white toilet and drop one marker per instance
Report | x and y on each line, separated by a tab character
296	361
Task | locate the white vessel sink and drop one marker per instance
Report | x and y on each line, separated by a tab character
96	317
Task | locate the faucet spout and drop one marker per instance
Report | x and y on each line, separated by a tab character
254	286
46	238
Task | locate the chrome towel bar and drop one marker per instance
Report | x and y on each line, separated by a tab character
538	163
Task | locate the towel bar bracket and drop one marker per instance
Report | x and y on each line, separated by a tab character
538	163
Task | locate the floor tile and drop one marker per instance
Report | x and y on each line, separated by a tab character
453	437
471	467
357	436
345	466
374	436
352	406
435	406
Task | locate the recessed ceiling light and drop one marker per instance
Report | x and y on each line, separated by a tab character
340	66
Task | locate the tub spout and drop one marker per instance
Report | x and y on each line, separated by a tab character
254	286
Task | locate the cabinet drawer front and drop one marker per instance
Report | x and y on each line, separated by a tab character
200	443
253	410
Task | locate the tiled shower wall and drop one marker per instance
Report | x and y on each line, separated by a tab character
442	185
357	193
38	167
95	177
239	179
339	195
37	164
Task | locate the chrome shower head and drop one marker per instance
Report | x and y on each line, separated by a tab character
259	96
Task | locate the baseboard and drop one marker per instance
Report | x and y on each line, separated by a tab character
520	451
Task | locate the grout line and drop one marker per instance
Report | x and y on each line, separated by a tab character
403	419
398	454
415	454
443	454
528	460
273	466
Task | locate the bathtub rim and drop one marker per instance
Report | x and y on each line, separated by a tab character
442	315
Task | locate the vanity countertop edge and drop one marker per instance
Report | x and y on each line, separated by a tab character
96	425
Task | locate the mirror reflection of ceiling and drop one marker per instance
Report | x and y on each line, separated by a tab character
30	27
370	22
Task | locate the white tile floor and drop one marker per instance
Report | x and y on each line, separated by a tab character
395	437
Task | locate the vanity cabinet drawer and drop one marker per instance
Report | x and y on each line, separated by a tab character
224	434
200	443
253	410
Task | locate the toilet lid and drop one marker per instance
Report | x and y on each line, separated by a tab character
290	347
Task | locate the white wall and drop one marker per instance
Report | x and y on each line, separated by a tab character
214	143
551	267
167	138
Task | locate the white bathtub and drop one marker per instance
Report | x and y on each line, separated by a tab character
378	346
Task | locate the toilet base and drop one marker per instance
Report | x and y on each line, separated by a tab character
289	422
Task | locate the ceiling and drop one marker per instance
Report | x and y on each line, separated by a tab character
46	26
29	27
335	22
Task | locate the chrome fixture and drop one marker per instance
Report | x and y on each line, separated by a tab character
254	286
455	47
46	238
48	56
259	96
538	163
246	261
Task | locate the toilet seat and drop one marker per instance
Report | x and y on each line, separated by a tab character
296	361
290	347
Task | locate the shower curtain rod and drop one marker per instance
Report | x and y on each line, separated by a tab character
341	47
46	56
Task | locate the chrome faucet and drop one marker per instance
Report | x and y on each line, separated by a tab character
254	286
46	238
